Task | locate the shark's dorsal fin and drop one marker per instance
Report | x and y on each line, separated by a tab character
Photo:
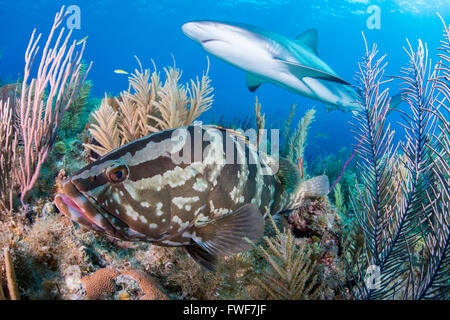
301	71
309	38
253	81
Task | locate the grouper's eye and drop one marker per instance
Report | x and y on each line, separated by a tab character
118	174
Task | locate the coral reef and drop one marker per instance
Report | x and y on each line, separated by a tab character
76	115
235	123
10	91
260	122
332	166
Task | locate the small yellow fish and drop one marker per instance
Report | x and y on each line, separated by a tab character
120	71
81	41
322	135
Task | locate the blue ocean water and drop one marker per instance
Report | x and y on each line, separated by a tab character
151	29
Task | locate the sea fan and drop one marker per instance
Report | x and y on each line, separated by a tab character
403	201
434	279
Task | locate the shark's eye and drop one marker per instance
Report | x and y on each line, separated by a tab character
118	174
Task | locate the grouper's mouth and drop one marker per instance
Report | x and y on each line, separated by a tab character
83	210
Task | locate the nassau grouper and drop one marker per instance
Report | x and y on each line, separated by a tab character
201	187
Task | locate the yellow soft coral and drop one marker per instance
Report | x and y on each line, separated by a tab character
152	107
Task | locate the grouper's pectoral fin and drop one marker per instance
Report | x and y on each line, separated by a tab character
302	71
226	235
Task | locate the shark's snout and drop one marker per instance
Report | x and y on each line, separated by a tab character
201	31
193	30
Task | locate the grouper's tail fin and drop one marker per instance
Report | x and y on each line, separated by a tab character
316	187
313	188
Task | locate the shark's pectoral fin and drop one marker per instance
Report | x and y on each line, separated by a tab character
328	108
253	81
309	38
301	71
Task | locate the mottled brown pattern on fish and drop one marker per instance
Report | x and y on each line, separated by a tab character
159	200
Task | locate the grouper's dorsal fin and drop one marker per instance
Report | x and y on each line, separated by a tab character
226	235
310	38
288	174
253	81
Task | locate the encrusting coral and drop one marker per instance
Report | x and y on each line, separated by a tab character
121	285
397	220
100	284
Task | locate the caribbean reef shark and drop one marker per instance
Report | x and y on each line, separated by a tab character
269	57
